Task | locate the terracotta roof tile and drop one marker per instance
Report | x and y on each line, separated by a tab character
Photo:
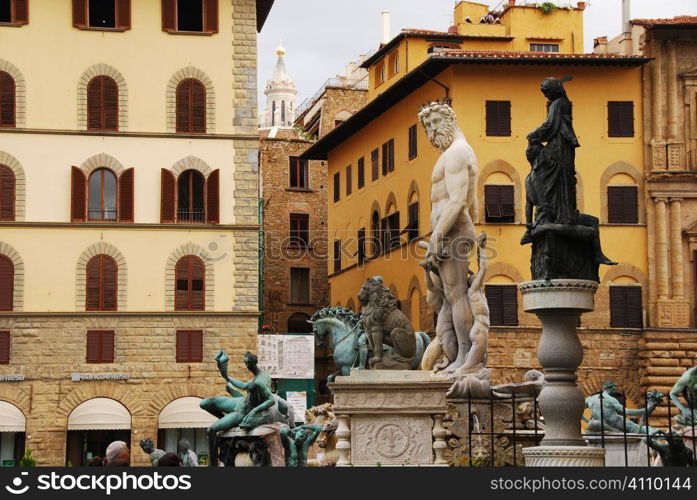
414	31
503	54
674	20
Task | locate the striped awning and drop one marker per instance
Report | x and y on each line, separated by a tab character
11	418
99	414
185	413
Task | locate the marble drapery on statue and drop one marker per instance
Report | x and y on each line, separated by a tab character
462	329
565	243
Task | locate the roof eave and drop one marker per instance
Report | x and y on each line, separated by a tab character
263	9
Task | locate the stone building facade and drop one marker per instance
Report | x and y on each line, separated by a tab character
667	346
130	238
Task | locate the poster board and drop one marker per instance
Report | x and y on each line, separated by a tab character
287	356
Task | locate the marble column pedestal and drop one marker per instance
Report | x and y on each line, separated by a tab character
559	305
390	418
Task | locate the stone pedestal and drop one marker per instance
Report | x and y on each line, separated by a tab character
390	418
559	305
637	451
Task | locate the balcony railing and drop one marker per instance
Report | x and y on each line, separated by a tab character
332	82
191	216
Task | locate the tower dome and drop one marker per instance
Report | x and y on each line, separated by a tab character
280	95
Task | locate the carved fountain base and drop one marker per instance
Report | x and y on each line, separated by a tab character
390	418
559	305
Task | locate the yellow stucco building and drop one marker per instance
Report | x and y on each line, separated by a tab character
129	225
491	66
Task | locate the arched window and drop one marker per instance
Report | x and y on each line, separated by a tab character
191	197
298	323
190	278
283	113
102	189
7	283
191	106
7	193
273	114
102	284
7	100
102	104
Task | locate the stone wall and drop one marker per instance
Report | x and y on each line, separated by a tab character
46	349
337	99
280	201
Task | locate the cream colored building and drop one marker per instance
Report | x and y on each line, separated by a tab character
129	205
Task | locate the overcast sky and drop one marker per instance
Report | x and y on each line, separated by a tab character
322	36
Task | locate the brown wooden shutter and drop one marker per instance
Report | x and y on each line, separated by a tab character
182	284
492	201
7	194
210	16
630	204
79	13
413	150
634	307
622	205
126	195
390	149
21	15
213	197
7	100
183	106
374	159
361	172
93	284
168	197
4	348
198	107
93	347
110	104
510	305
337	187
94	104
123	14
498	118
626	310
507	202
349	180
620	116
109	292
169	15
196	346
182	346
494	298
7	284
108	346
78	202
197	284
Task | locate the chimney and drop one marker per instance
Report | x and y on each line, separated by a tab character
386	26
626	16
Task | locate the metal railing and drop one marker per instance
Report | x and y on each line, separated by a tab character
332	82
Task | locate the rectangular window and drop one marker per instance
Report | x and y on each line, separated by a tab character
100	346
361	172
349	180
625	307
361	246
299	285
299	173
412	229
5	11
498	118
620	119
622	205
189	346
337	256
4	348
544	47
375	164
300	229
499	203
503	304
337	187
190	16
102	13
388	157
413	146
